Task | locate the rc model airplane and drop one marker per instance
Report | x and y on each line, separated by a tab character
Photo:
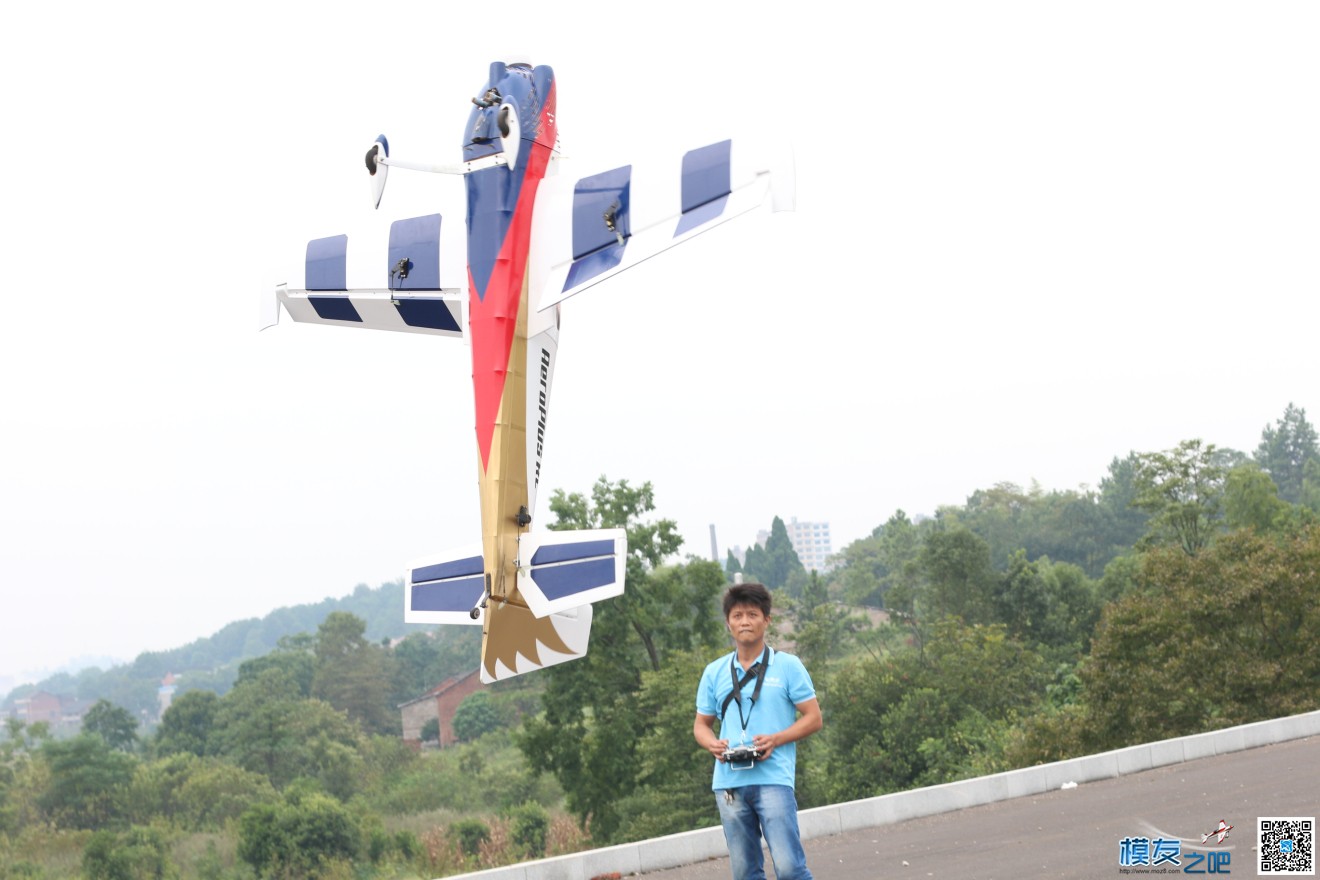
1219	833
534	238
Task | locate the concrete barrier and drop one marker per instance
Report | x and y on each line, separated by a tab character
707	843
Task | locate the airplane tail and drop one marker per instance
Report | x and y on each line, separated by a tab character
547	620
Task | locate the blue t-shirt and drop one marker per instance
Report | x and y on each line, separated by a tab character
786	684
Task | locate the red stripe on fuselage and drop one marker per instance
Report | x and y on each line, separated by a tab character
493	318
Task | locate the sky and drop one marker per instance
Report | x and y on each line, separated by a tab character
1029	237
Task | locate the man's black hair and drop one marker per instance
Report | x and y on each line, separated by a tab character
747	594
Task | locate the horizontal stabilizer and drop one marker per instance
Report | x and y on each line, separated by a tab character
445	588
558	571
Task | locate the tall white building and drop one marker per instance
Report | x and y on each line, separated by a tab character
810	540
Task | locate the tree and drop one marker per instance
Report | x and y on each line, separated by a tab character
732	566
959	577
1284	451
424	659
882	570
587	736
671	784
1251	500
136	854
922	717
821	629
293	656
1182	489
352	674
530	825
476	716
111	723
777	562
1123	523
1227	637
186	724
89	782
264	726
1045	603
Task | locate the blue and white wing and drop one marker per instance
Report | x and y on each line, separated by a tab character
411	302
588	229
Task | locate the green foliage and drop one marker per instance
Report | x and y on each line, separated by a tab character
212	663
293	658
1044	603
471	834
186	725
671	774
1182	489
921	717
111	723
89	782
529	826
1251	500
431	730
476	716
777	563
423	660
353	674
303	837
263	726
822	629
1227	637
732	566
959	578
1285	451
136	854
587	736
882	570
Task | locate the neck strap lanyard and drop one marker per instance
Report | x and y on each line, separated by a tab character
757	671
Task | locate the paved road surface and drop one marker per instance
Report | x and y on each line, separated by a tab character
1075	833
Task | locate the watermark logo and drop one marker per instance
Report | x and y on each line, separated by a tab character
1167	854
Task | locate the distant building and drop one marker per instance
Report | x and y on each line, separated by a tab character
63	714
165	693
811	543
440	703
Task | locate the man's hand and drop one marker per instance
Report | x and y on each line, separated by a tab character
703	730
765	744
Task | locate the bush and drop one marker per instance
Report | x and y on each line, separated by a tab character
471	834
431	730
476	716
530	823
137	854
300	838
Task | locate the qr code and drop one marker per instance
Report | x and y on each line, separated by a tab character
1286	846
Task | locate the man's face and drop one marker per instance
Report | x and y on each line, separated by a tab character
747	624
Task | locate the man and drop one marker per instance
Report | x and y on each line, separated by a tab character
764	701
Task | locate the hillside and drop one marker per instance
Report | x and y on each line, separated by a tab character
211	663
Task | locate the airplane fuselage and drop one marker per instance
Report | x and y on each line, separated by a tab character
510	375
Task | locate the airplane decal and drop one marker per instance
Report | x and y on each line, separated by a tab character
535	237
1219	833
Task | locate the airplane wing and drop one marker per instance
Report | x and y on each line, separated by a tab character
413	301
588	229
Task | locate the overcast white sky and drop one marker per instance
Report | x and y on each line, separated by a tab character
1029	237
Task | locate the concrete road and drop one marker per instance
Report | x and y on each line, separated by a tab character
1075	833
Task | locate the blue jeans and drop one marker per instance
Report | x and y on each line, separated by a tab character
757	810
